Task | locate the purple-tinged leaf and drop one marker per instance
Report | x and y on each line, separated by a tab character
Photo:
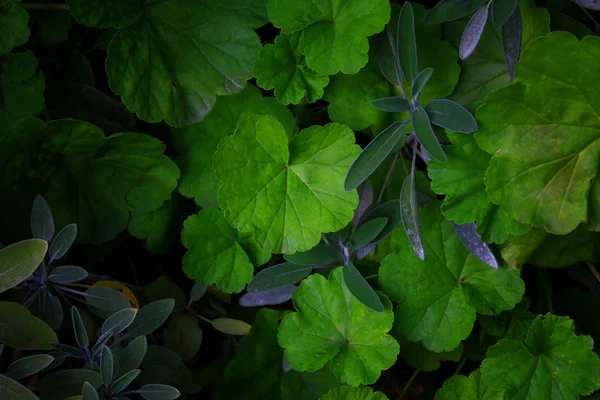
321	254
407	43
420	82
62	242
364	251
426	135
450	10
451	115
472	33
279	275
502	10
42	222
511	42
268	297
409	212
589	4
360	288
393	104
472	241
368	231
365	199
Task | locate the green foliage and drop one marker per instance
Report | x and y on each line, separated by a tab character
20	260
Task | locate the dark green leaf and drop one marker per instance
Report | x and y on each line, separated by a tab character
472	33
502	10
101	341
21	330
470	238
13	26
373	155
121	383
391	104
67	274
159	392
119	321
511	41
79	328
450	10
368	231
151	317
183	336
88	392
424	132
69	350
386	53
197	292
19	260
42	222
409	213
360	288
12	390
321	254
29	365
132	356
389	210
62	242
451	115
63	384
279	275
104	302
407	43
420	82
107	366
163	288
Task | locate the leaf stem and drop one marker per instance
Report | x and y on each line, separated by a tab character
547	288
45	6
387	177
410	380
204	319
460	366
593	270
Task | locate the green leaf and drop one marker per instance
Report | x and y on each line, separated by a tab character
88	392
511	325
353	393
106	366
217	253
21	88
231	326
123	381
67	274
389	210
159	392
62	242
460	387
77	176
81	335
307	385
53	26
321	254
151	317
164	288
104	302
29	365
19	260
42	221
23	331
486	69
417	356
546	182
132	356
551	363
368	231
279	275
332	326
472	32
373	155
424	132
420	82
391	104
409	213
502	11
281	66
360	288
287	193
511	41
183	335
324	23
450	10
407	45
255	371
13	26
461	179
106	14
12	390
197	143
154	61
62	384
159	227
439	297
450	115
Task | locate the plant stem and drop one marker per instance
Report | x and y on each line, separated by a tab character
410	380
593	270
387	177
460	366
371	276
547	288
590	16
204	319
45	6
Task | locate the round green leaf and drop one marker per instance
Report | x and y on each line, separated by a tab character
217	253
288	194
333	38
440	296
159	227
459	387
183	335
19	260
22	330
78	175
155	61
552	363
545	139
353	393
281	66
12	390
29	365
461	179
332	326
13	26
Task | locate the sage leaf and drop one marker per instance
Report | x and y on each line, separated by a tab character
22	330
392	104
365	199
62	242
88	392
104	302
470	238
19	260
409	212
511	42
368	231
125	380
13	390
151	317
132	356
472	33
279	275
28	366
159	392
268	297
360	288
502	10
107	366
450	10
426	135
420	81
67	274
451	115
389	210
589	4
231	326
81	335
119	321
64	384
42	222
321	254
407	43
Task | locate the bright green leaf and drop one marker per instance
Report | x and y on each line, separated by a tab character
13	26
12	390
22	330
545	152
281	66
77	175
287	194
183	335
334	35
440	296
332	326
459	387
19	260
461	179
552	363
353	393
217	253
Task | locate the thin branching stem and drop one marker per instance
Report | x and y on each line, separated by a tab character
410	380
